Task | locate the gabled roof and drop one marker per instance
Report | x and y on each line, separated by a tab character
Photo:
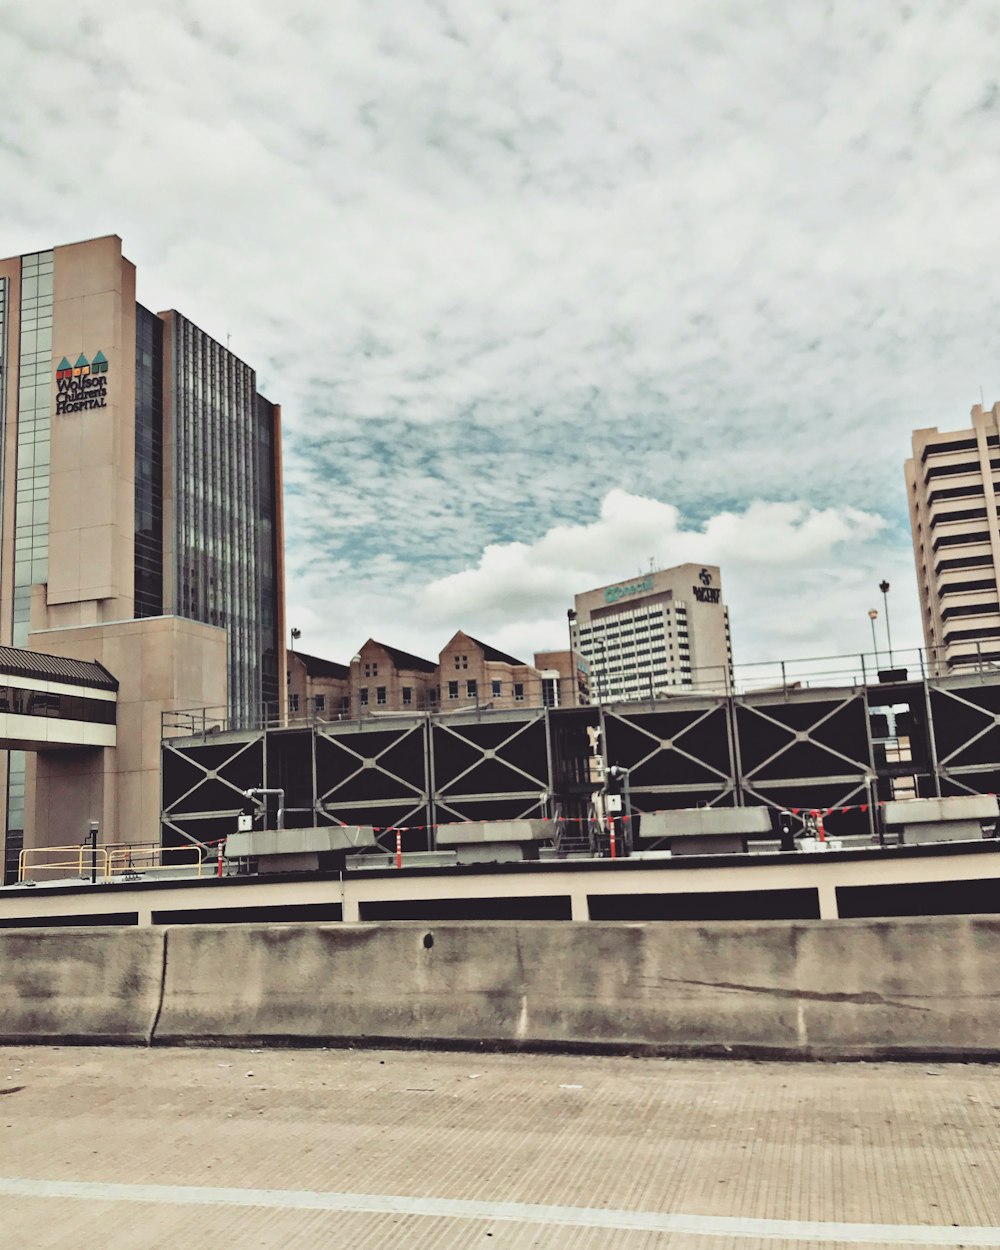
316	666
403	659
17	662
491	653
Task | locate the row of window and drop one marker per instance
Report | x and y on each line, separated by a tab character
954	470
958	444
454	692
20	702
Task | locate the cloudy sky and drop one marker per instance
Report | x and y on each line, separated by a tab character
550	291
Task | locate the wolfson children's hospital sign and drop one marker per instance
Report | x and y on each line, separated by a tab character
83	385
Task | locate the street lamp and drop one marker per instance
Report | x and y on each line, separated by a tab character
873	617
296	633
884	587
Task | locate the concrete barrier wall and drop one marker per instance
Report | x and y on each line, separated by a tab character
908	988
810	989
80	985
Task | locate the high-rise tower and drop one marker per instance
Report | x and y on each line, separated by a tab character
952	482
141	510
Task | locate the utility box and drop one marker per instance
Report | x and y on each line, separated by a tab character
706	830
959	818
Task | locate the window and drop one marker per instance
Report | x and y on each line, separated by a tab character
407	694
380	694
363	696
496	690
371	670
321	703
519	691
471	689
293	702
453	690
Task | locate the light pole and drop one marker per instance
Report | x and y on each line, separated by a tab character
884	587
296	634
873	617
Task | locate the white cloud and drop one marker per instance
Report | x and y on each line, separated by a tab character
499	262
789	572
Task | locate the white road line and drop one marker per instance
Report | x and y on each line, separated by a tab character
810	1231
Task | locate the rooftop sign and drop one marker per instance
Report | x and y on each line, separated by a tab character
626	589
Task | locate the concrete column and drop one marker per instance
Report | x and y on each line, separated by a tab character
828	902
350	910
579	907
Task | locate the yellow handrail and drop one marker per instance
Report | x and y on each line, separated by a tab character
84	859
149	859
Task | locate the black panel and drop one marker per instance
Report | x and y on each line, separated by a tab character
928	898
83	920
532	907
742	905
283	913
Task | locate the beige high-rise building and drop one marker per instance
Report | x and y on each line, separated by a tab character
951	483
657	634
140	527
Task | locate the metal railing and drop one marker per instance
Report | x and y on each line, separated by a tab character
79	860
128	861
107	863
860	669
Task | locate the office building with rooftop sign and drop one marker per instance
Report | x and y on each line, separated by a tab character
141	527
658	633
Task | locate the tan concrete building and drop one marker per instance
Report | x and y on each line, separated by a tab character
661	631
952	480
141	526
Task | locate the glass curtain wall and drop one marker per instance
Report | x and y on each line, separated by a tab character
148	463
31	510
215	490
267	558
3	383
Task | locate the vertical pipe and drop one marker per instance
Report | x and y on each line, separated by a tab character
429	780
735	759
550	779
931	739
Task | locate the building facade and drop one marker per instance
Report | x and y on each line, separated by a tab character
663	631
141	519
468	673
952	480
317	689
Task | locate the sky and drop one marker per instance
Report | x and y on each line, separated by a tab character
550	292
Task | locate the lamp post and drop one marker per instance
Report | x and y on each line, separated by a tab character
296	634
884	587
873	617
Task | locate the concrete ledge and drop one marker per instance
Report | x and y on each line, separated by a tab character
80	985
705	821
846	989
900	988
955	807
